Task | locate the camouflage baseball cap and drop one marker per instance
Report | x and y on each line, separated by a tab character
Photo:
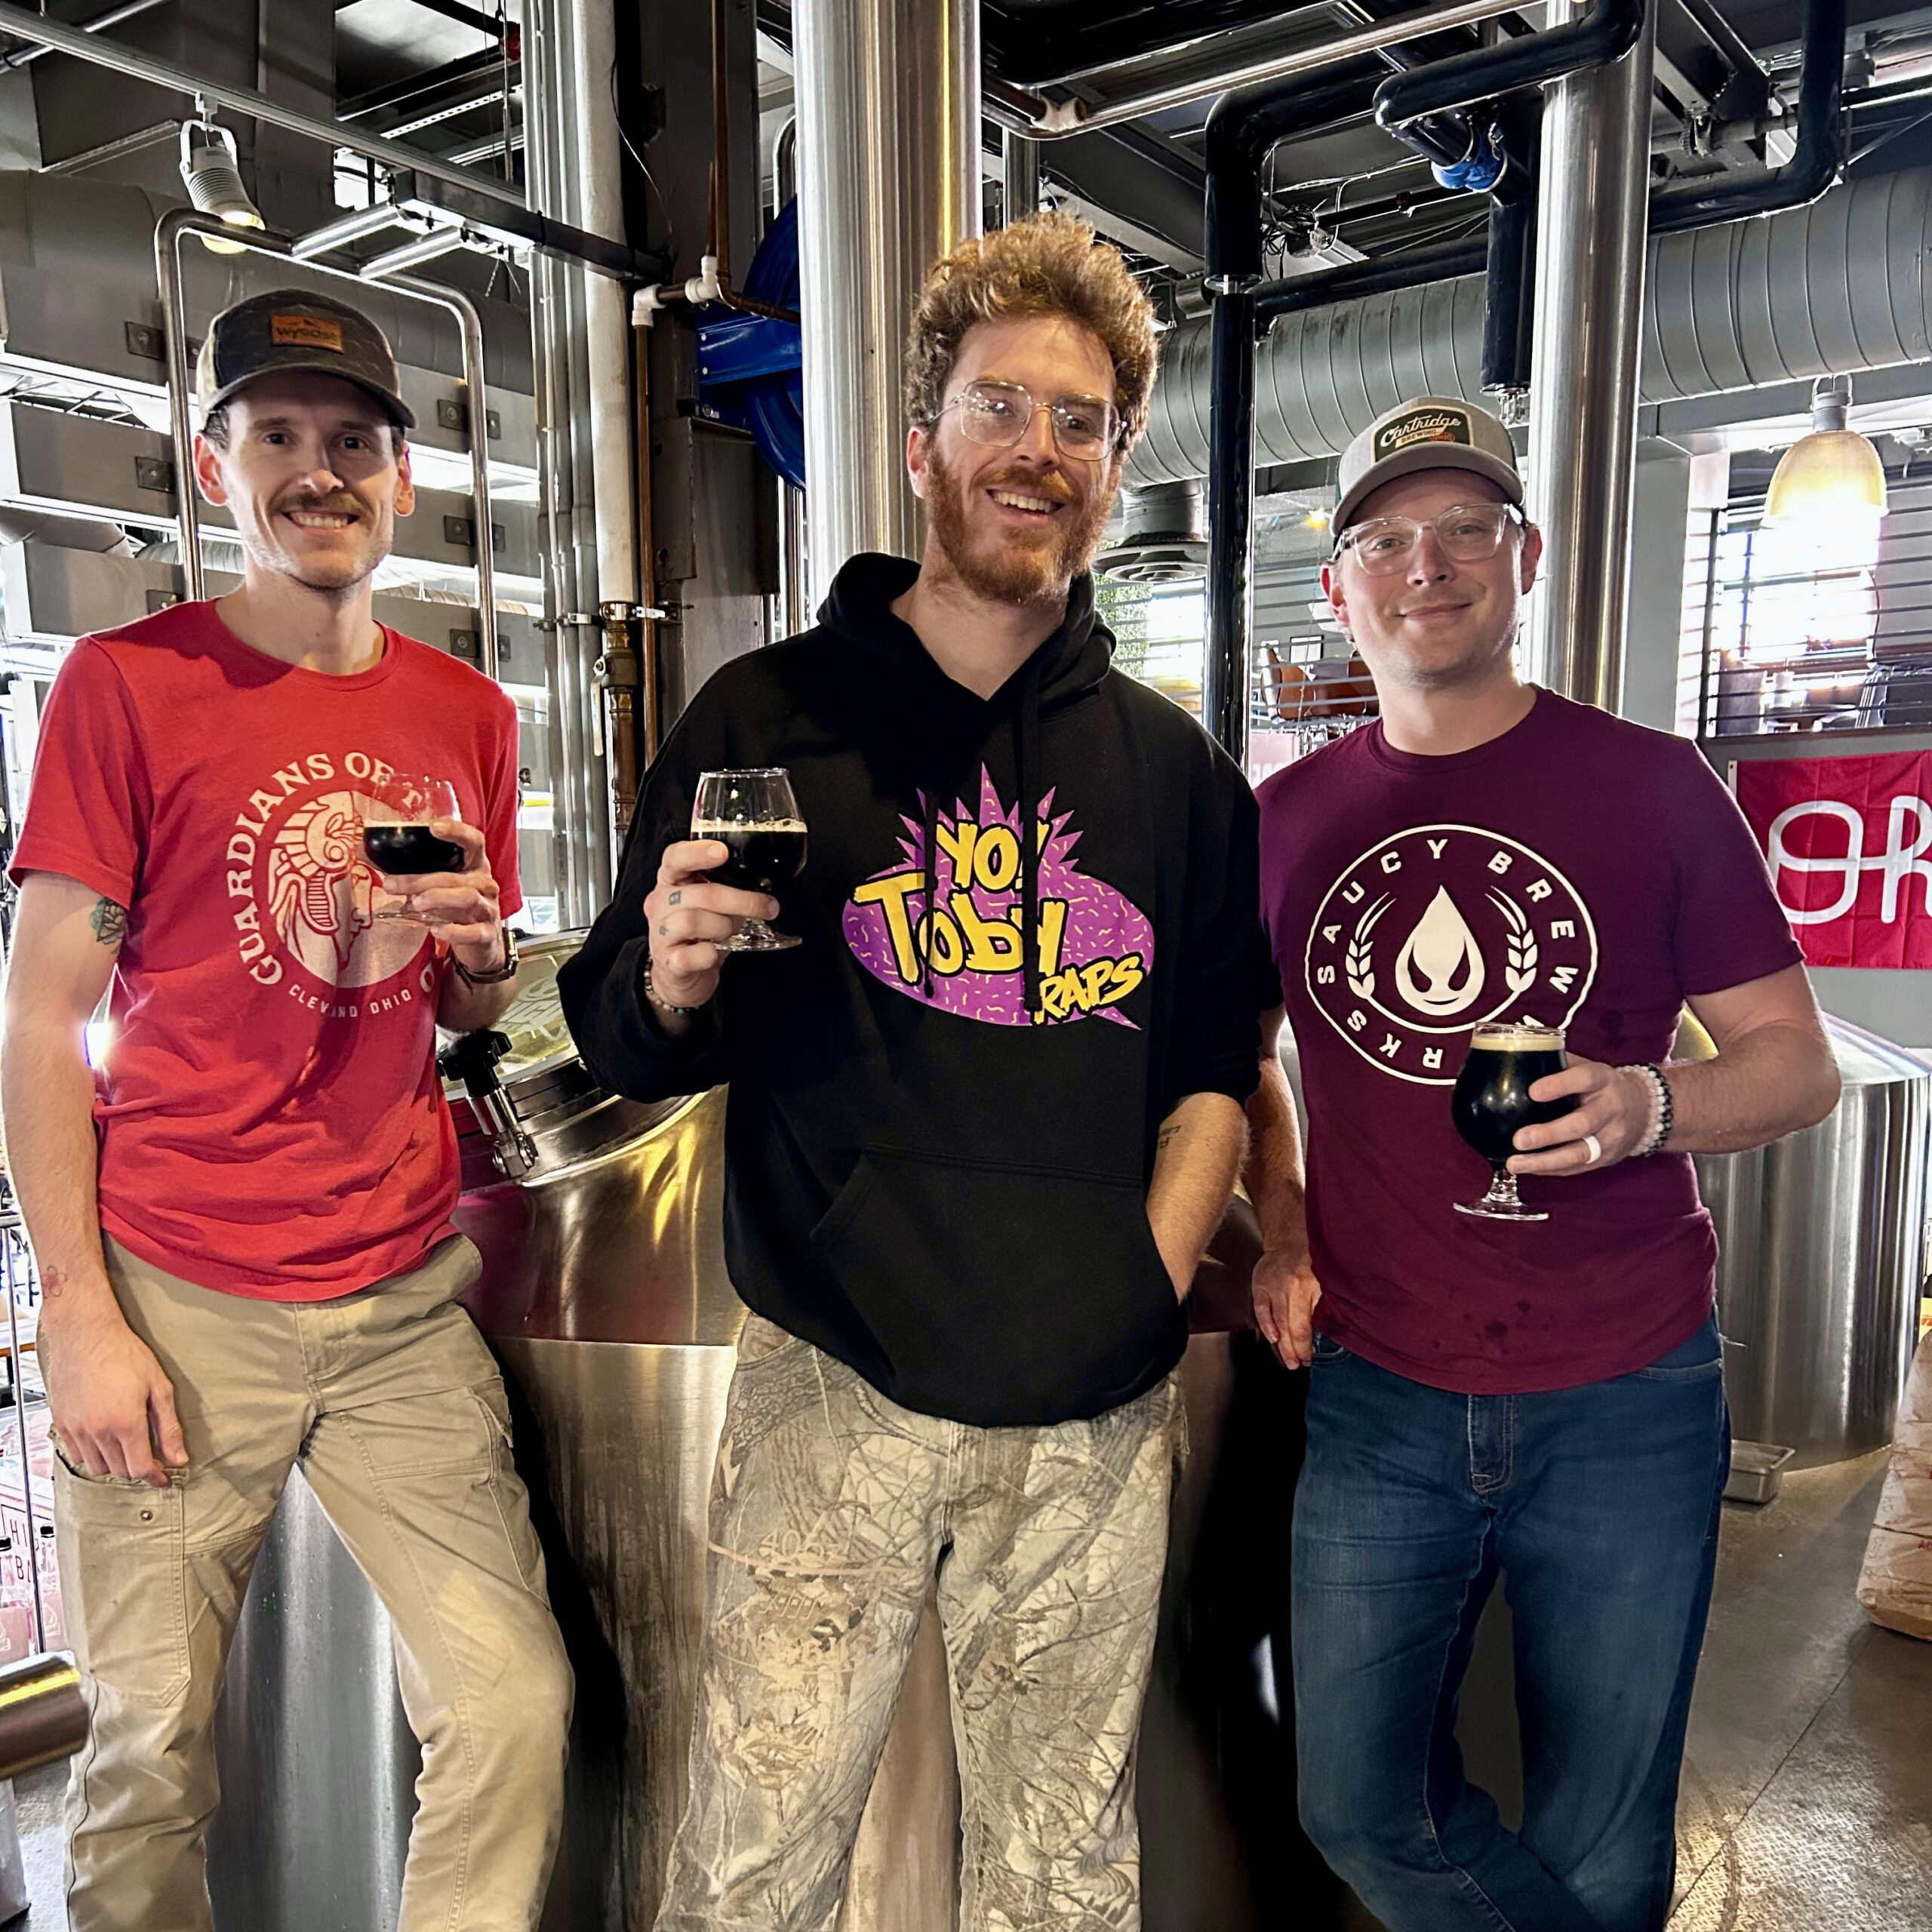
1426	432
289	330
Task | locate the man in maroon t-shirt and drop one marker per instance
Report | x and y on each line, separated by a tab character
242	1218
1538	1397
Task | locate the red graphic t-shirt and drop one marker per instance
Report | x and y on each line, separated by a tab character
1580	871
270	1119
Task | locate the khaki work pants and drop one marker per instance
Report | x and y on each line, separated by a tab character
393	1406
831	1510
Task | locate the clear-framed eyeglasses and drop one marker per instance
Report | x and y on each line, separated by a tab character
998	414
1465	532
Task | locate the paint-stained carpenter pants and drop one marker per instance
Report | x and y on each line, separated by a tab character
391	1403
832	1509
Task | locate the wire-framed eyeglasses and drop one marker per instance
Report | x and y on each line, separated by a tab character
998	414
1466	532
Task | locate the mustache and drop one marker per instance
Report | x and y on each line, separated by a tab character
1035	483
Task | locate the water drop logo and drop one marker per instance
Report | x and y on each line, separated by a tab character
1439	970
1095	946
1437	929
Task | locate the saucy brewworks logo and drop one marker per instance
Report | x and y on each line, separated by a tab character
1437	929
1095	946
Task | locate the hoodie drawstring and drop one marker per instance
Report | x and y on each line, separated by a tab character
1026	763
929	859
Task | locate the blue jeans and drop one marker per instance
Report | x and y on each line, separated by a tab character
1598	1507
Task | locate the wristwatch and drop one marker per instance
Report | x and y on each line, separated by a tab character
505	971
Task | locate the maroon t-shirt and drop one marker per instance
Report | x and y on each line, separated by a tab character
1579	871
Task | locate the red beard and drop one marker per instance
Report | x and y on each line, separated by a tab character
1018	567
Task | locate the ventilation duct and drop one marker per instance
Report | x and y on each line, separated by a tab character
1165	538
1835	287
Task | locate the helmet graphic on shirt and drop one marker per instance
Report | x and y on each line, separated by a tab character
1437	929
320	884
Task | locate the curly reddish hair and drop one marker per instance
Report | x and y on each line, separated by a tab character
1047	264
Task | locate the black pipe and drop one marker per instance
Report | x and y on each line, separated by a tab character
1509	298
1816	162
1225	674
1442	262
1242	127
1607	32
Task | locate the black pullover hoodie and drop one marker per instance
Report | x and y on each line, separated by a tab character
937	1155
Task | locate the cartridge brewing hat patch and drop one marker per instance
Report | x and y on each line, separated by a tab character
1426	432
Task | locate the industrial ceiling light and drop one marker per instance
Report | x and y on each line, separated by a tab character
1830	483
213	179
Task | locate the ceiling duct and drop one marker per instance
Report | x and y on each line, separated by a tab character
1165	540
1830	289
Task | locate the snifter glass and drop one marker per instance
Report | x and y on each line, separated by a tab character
1492	1101
752	813
396	812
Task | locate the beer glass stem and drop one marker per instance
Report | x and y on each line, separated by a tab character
1502	1189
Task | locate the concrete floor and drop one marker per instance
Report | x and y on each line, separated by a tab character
1807	1801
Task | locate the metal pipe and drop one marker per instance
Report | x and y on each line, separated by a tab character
43	1712
13	1235
430	247
888	102
1568	45
1225	671
794	606
564	404
345	228
139	66
1018	177
594	199
1413	267
1509	308
168	231
470	321
25	56
1817	161
1053	120
1589	306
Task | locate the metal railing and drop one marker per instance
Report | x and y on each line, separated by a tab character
168	232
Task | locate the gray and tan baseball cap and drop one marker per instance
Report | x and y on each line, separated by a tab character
289	330
1426	432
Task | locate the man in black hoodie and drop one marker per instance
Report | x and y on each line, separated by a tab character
982	1121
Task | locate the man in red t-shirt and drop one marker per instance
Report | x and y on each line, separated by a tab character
1539	1397
242	1216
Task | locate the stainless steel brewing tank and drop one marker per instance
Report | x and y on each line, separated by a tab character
1823	1253
605	1297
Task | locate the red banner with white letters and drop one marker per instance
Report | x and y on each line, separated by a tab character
1849	843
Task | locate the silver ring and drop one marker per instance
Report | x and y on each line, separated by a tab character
1596	1150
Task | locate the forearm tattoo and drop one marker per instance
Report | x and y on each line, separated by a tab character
109	922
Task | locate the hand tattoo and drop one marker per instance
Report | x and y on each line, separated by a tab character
677	897
109	922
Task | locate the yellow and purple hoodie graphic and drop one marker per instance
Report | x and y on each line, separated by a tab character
961	948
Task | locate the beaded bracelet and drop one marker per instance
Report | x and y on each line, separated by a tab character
1663	1109
653	998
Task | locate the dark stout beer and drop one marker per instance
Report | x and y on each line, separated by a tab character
410	848
1492	1101
763	857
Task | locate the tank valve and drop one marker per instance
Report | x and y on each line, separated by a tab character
472	1059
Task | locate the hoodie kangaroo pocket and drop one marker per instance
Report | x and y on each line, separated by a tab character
1000	1294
